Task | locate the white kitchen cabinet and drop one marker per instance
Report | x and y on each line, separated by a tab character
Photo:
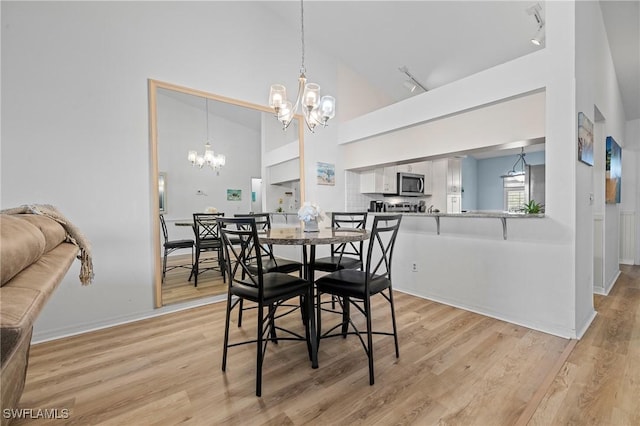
406	168
390	180
382	180
446	194
454	176
371	181
454	203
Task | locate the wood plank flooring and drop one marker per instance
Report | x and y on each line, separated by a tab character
455	368
600	382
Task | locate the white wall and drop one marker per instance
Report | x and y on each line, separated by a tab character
75	122
596	89
631	187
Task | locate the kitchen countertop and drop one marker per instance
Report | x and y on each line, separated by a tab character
496	215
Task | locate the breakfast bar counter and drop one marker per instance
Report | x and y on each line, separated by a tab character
503	216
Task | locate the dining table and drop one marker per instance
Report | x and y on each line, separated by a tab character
309	241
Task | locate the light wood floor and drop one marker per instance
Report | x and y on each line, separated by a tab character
176	287
455	368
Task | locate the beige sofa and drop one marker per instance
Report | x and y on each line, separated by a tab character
34	258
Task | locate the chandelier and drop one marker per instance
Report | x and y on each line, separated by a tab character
316	110
209	158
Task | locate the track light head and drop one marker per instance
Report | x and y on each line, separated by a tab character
535	10
538	38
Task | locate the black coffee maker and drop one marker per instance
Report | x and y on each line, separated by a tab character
376	206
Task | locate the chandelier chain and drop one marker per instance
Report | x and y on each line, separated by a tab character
206	100
302	68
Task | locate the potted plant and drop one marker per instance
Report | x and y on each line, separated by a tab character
533	207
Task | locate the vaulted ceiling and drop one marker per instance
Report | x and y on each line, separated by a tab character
443	41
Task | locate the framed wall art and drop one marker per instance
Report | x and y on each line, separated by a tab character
326	173
585	139
234	194
613	171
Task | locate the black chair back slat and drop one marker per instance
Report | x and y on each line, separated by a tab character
381	244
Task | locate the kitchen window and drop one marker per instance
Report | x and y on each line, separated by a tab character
514	195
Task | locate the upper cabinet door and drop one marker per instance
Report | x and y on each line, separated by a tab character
454	176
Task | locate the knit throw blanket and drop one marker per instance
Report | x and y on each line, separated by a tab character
74	235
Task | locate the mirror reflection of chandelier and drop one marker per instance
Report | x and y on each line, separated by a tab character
316	109
517	172
209	158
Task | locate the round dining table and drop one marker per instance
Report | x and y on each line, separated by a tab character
298	236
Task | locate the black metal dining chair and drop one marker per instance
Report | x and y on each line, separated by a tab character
269	290
270	263
207	239
172	245
356	287
344	255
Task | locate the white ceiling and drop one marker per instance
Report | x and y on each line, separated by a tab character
622	22
444	41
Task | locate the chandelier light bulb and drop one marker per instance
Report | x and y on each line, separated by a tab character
277	96
191	156
208	154
328	107
311	96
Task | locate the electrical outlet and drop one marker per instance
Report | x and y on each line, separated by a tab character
414	267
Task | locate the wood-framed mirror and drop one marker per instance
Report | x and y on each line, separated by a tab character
183	119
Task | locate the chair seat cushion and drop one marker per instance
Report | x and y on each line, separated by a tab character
350	282
209	244
278	265
277	286
179	244
335	263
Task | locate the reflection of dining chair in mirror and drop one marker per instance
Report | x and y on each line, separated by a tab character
207	235
172	245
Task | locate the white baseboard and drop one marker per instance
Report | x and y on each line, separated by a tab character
609	286
627	261
586	326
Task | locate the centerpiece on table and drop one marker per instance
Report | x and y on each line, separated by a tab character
310	213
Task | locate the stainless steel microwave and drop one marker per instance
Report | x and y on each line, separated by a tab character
410	184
